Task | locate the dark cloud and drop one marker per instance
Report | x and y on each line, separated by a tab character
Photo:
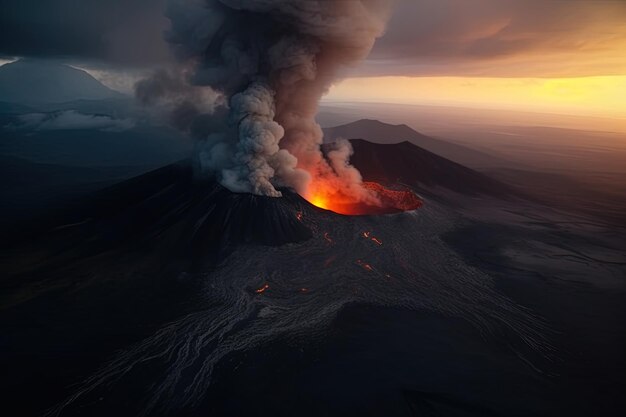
120	31
424	37
271	61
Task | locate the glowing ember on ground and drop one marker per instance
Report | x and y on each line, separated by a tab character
327	237
299	216
381	200
364	265
368	235
262	289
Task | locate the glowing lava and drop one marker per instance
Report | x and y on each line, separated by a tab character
368	235
380	200
262	289
320	201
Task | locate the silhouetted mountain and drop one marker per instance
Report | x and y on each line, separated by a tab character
384	133
170	201
375	131
201	220
198	220
32	82
141	145
409	164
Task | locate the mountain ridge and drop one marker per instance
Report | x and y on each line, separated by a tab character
31	82
376	131
410	164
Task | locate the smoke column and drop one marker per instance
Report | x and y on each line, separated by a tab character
248	83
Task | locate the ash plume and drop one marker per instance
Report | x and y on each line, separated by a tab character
249	77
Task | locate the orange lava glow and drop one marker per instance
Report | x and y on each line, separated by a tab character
262	289
368	235
364	265
383	200
320	201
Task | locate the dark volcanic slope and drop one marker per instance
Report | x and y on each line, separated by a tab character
409	164
168	208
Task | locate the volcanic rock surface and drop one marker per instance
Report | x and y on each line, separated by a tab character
411	165
197	219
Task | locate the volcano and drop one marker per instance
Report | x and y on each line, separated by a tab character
169	295
200	219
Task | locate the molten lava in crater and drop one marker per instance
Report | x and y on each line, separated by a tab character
380	200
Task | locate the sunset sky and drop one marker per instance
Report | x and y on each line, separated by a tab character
556	56
562	56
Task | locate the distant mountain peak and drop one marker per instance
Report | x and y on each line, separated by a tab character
374	123
375	131
34	81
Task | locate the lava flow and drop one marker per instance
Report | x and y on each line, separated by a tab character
382	201
262	289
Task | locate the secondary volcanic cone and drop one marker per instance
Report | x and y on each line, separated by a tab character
248	83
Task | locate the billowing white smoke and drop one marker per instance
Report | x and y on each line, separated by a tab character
270	62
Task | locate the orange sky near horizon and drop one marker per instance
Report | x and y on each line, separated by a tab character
589	96
547	56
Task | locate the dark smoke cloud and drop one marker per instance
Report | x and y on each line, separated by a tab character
113	31
424	37
269	62
196	110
